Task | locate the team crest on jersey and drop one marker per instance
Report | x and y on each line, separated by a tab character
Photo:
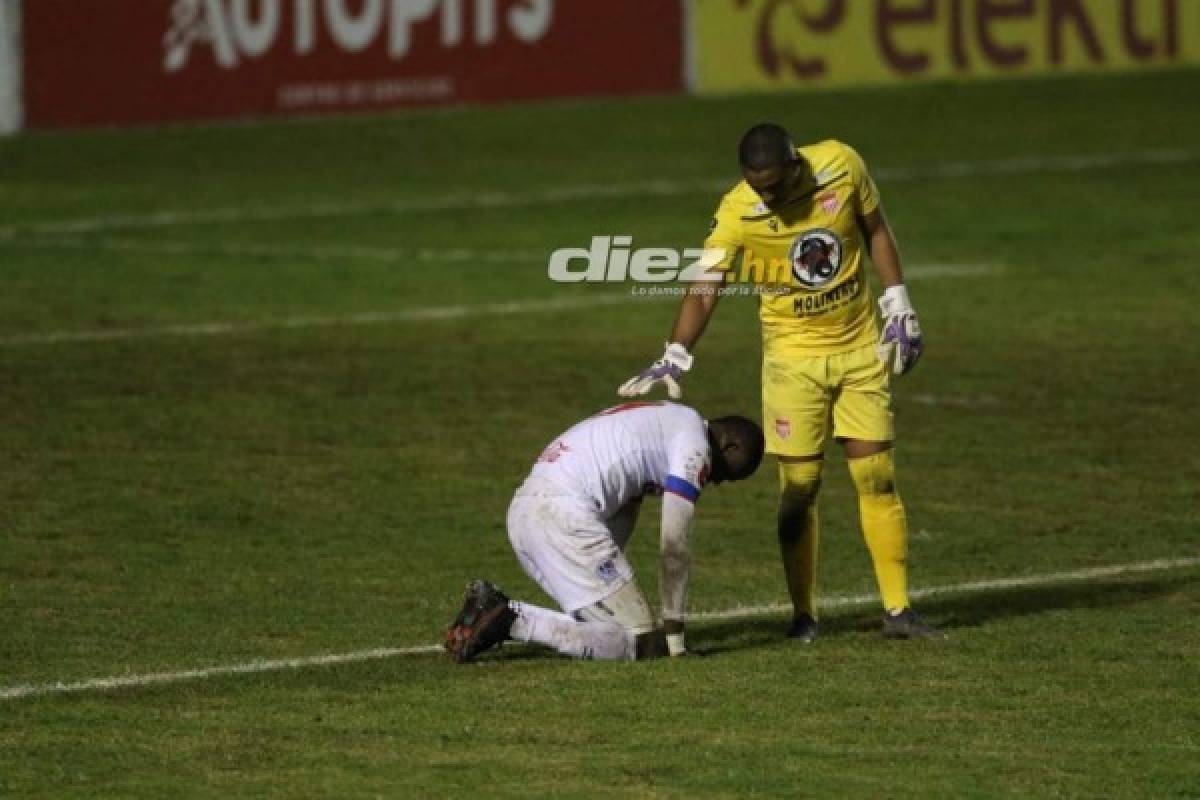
829	202
783	427
816	257
607	571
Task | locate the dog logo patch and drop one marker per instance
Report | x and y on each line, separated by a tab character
816	257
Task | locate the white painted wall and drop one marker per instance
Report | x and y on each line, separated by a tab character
10	66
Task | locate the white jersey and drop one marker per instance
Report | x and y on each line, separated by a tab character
629	451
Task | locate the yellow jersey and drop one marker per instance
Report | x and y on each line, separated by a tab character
806	255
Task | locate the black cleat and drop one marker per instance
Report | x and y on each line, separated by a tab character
803	629
905	624
483	623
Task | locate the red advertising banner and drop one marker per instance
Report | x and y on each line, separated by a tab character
90	62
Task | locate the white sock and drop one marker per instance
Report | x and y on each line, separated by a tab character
601	641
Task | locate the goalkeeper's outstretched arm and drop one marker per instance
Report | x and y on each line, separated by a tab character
695	310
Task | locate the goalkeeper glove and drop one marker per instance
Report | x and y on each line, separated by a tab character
667	370
900	343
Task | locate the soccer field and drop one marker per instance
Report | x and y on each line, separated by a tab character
266	391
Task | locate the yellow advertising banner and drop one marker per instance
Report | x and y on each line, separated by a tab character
794	44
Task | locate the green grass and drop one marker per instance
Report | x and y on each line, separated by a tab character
173	502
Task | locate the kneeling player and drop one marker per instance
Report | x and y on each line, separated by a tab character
570	521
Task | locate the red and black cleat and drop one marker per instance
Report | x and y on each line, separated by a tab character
483	623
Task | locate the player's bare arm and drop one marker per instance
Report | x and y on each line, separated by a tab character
673	567
900	343
881	246
695	310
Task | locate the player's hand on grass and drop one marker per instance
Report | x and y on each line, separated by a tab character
667	370
900	343
673	630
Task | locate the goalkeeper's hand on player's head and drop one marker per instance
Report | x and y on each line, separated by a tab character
900	344
667	370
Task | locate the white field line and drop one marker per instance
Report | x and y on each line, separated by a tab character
416	314
276	665
419	314
389	254
917	272
960	401
972	587
179	676
582	192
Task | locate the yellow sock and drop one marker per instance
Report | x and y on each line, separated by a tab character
799	482
884	525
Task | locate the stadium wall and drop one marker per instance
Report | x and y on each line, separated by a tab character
114	62
742	45
76	63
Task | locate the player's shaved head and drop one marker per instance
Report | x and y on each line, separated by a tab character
765	146
737	446
769	162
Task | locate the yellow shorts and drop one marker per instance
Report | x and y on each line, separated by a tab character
802	395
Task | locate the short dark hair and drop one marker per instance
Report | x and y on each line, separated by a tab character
764	146
749	443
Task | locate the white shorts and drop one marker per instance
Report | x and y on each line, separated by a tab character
626	606
566	547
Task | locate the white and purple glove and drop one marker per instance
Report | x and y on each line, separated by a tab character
900	344
668	370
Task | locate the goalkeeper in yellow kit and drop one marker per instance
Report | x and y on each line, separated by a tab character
803	220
